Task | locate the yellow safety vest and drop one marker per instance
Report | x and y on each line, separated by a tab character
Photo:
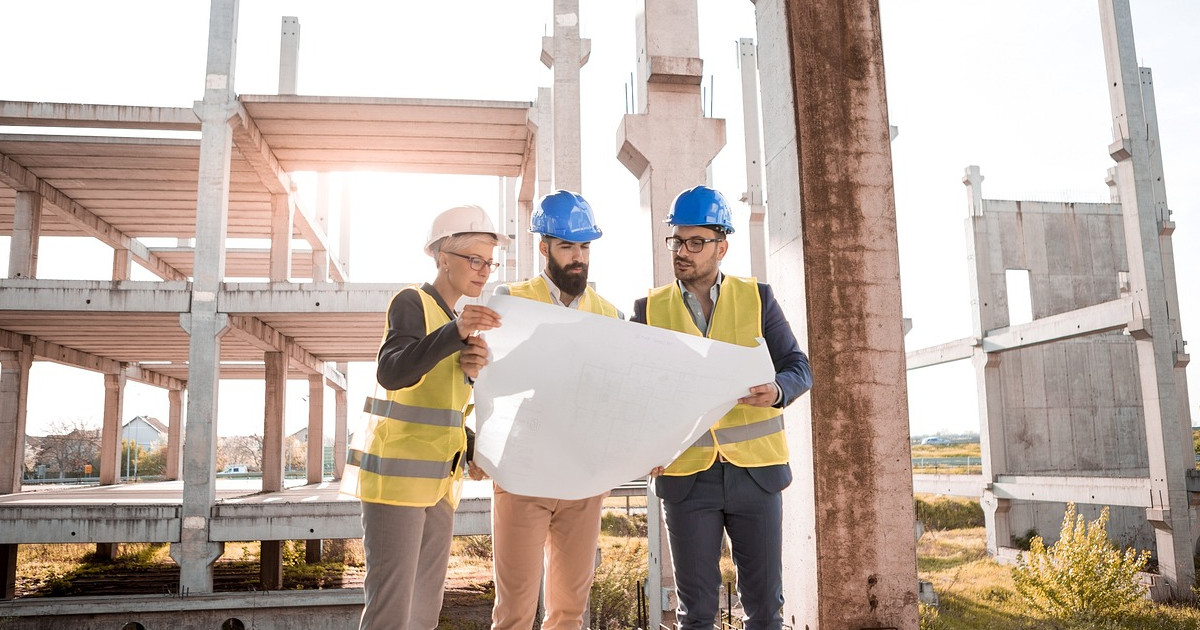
746	436
537	289
412	449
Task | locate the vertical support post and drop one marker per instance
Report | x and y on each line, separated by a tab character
508	223
174	434
987	314
344	230
110	432
281	239
26	234
289	54
1169	456
827	80
339	426
754	159
566	53
195	552
315	466
122	264
273	416
14	399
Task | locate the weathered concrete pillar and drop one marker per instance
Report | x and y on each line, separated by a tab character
529	259
748	56
344	215
340	414
122	264
508	223
195	552
669	144
316	428
1170	453
26	234
281	239
289	54
836	270
110	431
988	313
271	564
14	398
271	557
174	467
566	53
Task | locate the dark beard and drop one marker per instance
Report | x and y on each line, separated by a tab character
569	284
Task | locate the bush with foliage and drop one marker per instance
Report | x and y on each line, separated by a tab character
1083	578
947	513
614	591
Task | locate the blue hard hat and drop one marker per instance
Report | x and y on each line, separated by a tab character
566	215
701	206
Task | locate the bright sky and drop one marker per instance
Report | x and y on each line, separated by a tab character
1016	87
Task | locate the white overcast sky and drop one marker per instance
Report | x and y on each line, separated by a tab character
1016	87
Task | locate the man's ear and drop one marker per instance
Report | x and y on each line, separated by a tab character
544	248
722	247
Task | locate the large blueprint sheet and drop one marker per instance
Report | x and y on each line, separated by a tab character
573	404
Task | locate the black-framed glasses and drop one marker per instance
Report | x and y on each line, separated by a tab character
694	245
476	262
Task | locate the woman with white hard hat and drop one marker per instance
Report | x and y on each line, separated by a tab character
407	466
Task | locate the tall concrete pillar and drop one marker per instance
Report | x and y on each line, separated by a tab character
339	426
316	428
669	144
110	431
26	234
748	56
987	313
281	239
1170	453
271	555
289	54
174	467
508	224
836	269
566	53
195	552
14	398
344	215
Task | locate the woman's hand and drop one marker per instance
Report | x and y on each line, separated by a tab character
475	472
475	318
472	358
656	471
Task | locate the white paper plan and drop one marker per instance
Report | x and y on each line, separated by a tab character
573	404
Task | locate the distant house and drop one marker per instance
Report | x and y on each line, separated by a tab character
148	432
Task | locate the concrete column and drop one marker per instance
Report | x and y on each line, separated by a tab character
508	223
110	432
316	428
344	232
988	313
122	264
26	234
339	426
195	552
289	54
754	160
281	239
529	259
566	53
174	434
320	259
273	416
668	145
271	564
14	398
1170	457
835	259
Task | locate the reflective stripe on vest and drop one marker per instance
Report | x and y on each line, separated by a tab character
746	436
411	449
537	289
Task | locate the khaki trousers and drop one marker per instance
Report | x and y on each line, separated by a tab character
407	549
529	533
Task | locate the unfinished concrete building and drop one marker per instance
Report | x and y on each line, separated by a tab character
1088	402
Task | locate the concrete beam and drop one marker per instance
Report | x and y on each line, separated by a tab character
21	179
1133	492
956	350
28	114
262	336
1113	315
252	297
970	486
336	519
95	296
77	358
113	523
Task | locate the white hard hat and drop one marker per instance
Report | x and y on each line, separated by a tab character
461	220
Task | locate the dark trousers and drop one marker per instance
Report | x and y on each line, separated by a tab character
726	499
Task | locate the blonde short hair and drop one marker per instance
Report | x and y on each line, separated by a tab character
455	242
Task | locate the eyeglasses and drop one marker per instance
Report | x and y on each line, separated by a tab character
694	245
476	262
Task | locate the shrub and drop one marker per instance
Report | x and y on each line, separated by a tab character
615	589
945	513
476	546
1083	579
619	524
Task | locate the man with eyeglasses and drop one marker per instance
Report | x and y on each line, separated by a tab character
731	479
531	532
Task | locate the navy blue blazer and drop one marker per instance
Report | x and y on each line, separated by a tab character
792	374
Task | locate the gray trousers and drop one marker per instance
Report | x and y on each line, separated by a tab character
407	549
725	498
